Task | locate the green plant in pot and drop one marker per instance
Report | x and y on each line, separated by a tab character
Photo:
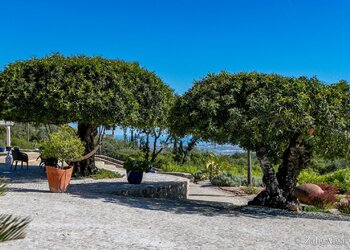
62	146
135	169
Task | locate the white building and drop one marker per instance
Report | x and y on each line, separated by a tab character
8	125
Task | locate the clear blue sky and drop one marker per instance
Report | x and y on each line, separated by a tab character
183	40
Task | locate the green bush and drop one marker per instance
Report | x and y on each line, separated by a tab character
121	150
22	143
173	167
339	179
256	181
230	180
344	205
251	190
226	180
105	174
137	165
199	176
62	145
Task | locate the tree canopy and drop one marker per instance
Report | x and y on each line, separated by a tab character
280	118
92	91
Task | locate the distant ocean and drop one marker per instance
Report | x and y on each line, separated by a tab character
225	149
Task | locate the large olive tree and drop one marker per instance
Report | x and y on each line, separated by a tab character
284	120
91	91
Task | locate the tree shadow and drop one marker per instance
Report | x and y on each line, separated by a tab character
104	191
22	175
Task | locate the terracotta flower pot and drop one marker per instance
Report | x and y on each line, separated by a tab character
58	178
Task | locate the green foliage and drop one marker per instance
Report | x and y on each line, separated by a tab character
63	145
226	180
137	165
255	110
174	167
2	186
93	90
313	209
105	174
120	149
11	228
344	205
251	190
230	180
199	176
325	166
339	179
22	143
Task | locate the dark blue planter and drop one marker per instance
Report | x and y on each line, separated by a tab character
16	149
8	149
2	149
134	177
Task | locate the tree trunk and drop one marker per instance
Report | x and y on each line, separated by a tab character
125	136
249	174
295	158
146	148
87	133
189	149
280	187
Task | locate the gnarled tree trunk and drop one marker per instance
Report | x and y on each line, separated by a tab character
87	133
280	186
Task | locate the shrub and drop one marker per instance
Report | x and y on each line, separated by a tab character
251	190
62	145
173	167
22	143
137	165
328	188
199	176
120	150
105	174
344	205
256	181
226	180
325	200
339	179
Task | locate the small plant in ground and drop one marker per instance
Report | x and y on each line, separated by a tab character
325	200
226	180
251	190
328	188
344	205
256	181
105	174
11	228
314	209
199	176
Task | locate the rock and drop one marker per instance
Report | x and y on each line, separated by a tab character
334	211
305	191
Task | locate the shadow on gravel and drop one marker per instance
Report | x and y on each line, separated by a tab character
20	175
103	191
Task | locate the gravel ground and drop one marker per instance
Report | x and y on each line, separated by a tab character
211	219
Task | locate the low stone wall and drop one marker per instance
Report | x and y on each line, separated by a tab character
180	174
162	189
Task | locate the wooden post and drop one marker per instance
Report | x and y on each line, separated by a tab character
249	175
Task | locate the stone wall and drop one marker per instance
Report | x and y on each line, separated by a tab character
162	189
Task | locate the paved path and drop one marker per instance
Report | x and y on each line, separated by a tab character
89	220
